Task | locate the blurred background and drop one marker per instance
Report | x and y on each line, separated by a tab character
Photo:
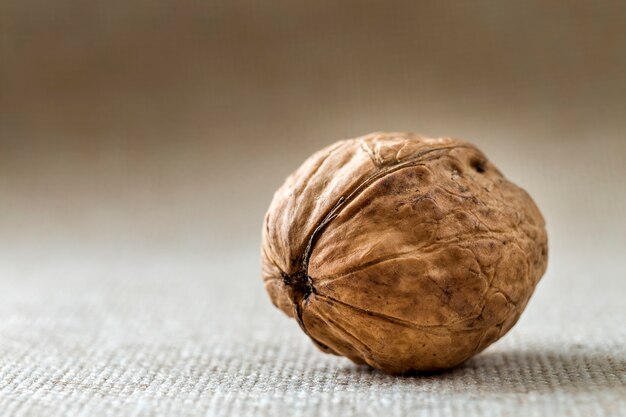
161	128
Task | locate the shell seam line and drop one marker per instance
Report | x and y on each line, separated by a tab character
343	201
334	212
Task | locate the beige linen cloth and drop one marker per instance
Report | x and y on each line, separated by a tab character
174	336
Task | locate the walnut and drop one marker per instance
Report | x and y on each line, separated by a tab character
402	252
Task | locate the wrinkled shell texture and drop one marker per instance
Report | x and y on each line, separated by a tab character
402	252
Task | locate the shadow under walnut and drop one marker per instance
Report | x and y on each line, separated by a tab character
402	252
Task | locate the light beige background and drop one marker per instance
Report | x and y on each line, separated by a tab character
169	124
141	142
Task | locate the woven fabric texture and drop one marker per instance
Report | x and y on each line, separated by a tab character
182	337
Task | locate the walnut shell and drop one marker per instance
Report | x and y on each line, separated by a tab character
402	252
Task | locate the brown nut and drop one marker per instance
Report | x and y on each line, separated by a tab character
401	251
